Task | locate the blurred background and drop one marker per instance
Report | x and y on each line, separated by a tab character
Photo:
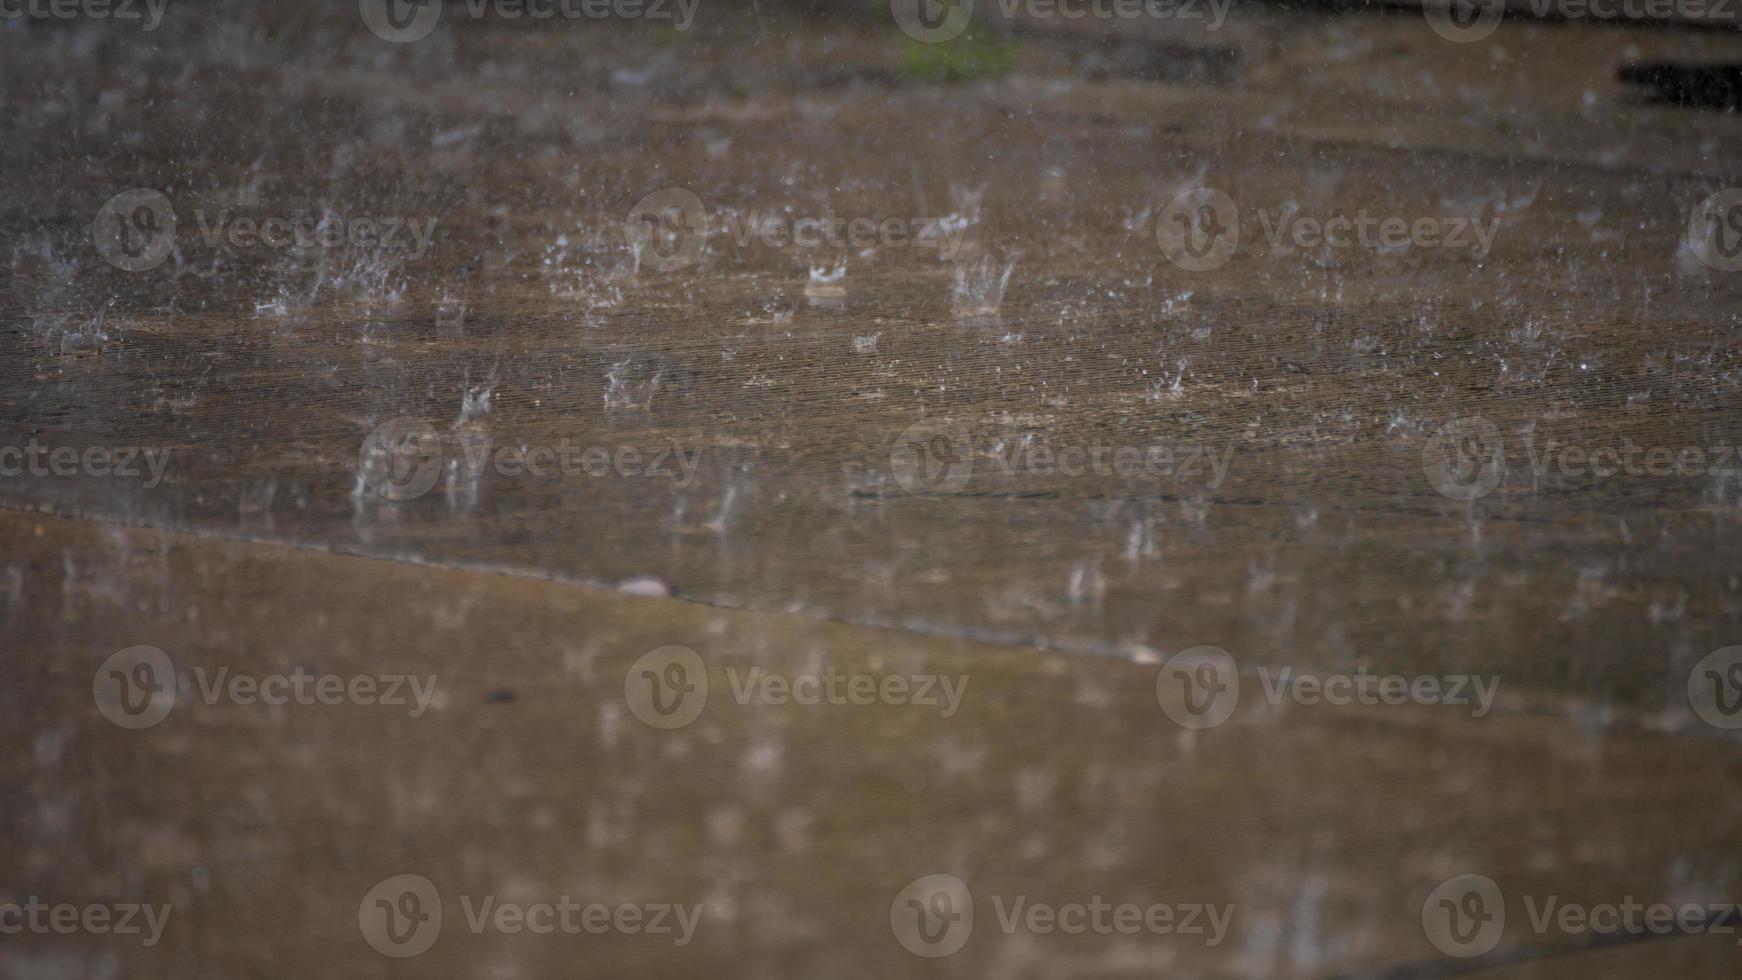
1083	488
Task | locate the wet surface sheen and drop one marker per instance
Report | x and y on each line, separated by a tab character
741	432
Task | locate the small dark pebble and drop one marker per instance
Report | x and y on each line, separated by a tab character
501	695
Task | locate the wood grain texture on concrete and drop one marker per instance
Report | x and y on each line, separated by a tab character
528	438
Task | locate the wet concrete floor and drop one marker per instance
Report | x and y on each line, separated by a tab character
514	441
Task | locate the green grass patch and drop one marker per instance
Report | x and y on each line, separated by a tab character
960	59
